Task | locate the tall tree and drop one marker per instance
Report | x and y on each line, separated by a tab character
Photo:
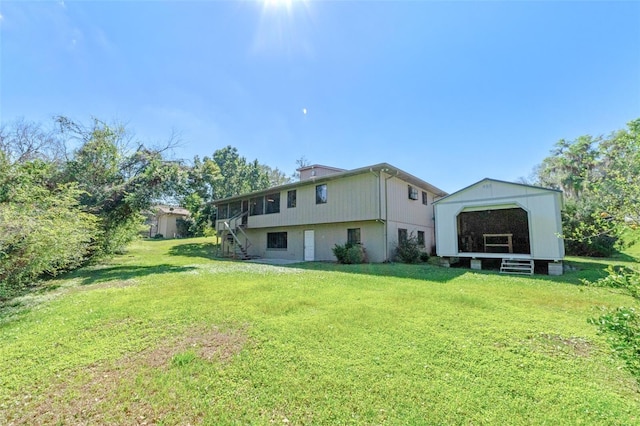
276	176
23	141
117	183
222	175
600	178
618	183
237	175
570	166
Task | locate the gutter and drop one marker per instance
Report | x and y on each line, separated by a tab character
386	213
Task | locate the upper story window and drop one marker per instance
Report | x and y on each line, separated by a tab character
425	198
291	199
321	194
272	203
413	193
256	206
223	211
235	209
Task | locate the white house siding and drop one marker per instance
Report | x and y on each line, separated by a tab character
376	196
542	205
326	237
167	225
405	213
348	199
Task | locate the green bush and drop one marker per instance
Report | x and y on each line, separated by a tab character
185	227
408	251
622	324
623	327
620	277
587	232
349	253
43	235
424	256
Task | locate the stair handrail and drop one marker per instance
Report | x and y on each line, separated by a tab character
232	230
235	220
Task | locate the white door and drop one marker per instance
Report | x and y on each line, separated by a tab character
309	245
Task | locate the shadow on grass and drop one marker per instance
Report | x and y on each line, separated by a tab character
122	273
579	269
421	271
205	250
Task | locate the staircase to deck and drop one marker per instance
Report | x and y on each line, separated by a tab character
517	266
235	242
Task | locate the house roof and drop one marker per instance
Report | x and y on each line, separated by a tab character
320	166
524	185
381	167
180	211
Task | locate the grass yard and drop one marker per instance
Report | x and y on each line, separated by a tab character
168	335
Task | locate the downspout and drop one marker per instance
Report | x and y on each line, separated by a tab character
379	219
386	215
379	199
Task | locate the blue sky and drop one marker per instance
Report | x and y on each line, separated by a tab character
451	92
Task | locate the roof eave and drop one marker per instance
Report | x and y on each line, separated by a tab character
385	167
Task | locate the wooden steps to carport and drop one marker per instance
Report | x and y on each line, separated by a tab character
517	266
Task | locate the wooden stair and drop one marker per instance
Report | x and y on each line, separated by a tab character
517	266
239	251
232	234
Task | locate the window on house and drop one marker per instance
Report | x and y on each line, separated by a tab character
353	236
223	211
413	193
402	235
272	203
321	194
276	240
256	206
421	238
425	198
235	208
291	198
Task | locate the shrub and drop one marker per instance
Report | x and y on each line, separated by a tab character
356	254
158	236
408	251
620	277
622	324
43	236
587	232
185	227
424	256
349	253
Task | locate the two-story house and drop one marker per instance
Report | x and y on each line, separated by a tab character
375	206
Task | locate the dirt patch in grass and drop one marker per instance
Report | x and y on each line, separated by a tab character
554	344
209	345
124	391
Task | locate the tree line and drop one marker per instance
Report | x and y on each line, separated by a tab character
600	179
71	193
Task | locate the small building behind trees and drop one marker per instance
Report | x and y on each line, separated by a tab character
492	219
165	222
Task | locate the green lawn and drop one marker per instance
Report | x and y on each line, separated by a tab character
166	334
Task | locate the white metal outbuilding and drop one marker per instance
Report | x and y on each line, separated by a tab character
497	219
